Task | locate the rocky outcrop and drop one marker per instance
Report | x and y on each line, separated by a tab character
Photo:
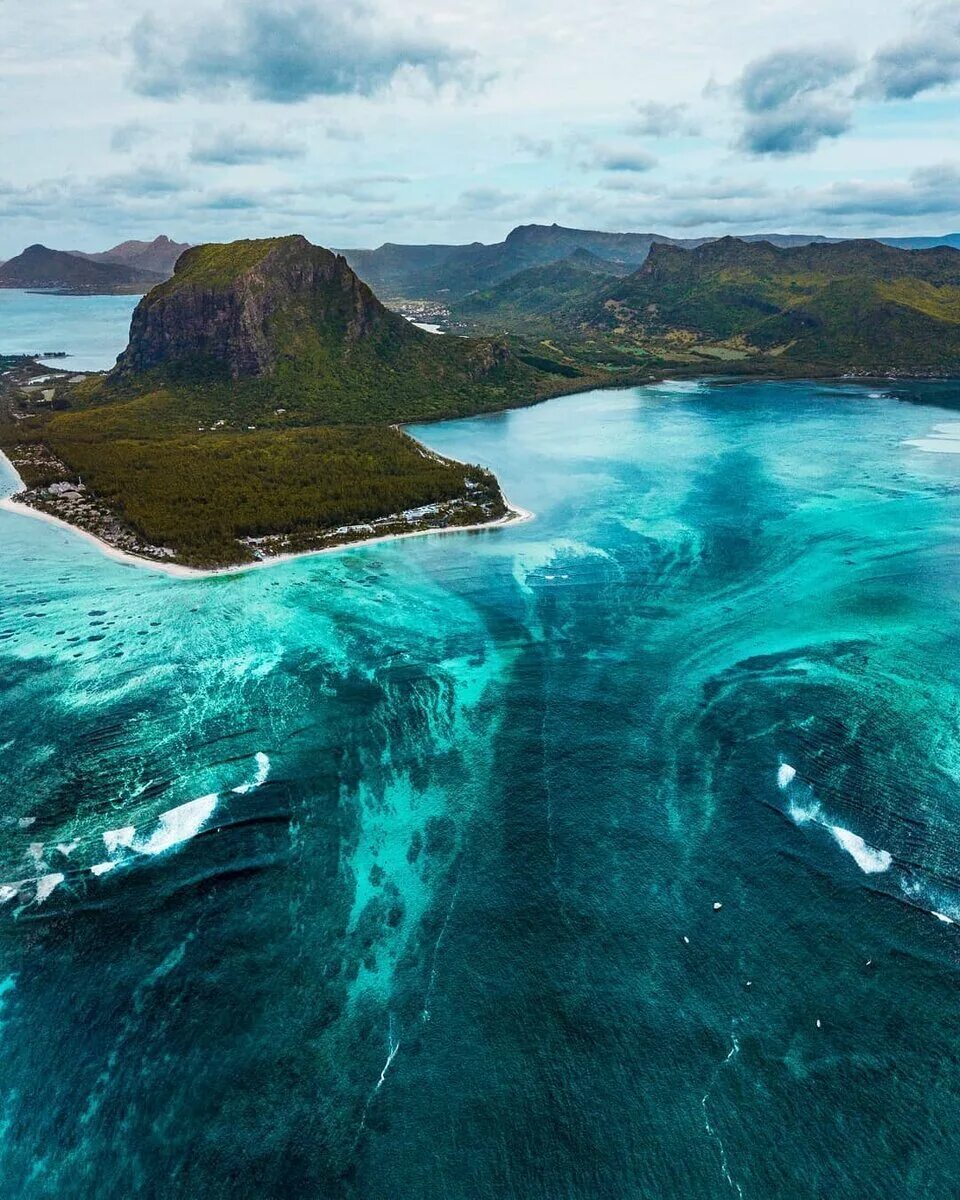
241	311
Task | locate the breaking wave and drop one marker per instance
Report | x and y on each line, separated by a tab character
803	808
125	844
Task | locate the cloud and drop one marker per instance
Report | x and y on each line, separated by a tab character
925	191
531	147
242	147
283	51
487	199
127	137
794	129
748	205
773	81
791	99
364	189
928	58
612	159
337	131
661	120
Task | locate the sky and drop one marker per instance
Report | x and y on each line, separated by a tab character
357	122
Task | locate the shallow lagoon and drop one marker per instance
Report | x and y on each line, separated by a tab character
415	848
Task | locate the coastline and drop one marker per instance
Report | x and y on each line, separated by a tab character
515	515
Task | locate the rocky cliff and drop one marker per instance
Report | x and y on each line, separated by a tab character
245	305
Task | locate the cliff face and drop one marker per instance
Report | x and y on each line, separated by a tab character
246	305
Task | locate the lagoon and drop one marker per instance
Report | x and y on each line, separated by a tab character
394	872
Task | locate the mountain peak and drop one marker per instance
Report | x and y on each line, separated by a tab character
237	308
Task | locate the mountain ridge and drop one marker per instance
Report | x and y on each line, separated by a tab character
40	267
159	256
854	305
451	272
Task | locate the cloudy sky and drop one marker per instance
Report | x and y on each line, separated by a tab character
362	121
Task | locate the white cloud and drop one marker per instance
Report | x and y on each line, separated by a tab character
303	114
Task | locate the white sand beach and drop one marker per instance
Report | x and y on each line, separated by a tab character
513	516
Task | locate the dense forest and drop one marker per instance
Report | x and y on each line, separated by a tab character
201	494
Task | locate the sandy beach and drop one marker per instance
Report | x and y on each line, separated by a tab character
513	516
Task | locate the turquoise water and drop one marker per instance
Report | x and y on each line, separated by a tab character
92	330
408	857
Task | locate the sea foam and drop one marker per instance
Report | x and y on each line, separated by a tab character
804	810
114	839
869	859
47	884
178	825
260	778
935	445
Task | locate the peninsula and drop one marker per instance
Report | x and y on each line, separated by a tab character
255	412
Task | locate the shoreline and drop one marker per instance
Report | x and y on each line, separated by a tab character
515	515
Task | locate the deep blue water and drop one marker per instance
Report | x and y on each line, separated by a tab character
408	857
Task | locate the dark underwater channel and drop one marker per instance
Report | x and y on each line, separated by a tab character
394	874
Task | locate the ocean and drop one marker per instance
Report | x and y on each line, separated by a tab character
613	854
91	330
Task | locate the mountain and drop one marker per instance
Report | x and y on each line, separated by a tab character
40	267
255	405
453	272
853	305
786	240
923	243
159	256
524	300
401	271
290	324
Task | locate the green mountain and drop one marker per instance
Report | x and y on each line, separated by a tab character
526	300
279	323
452	272
40	267
855	305
255	406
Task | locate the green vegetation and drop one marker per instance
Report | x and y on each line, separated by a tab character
750	306
849	306
218	264
257	399
530	299
453	272
201	494
258	396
